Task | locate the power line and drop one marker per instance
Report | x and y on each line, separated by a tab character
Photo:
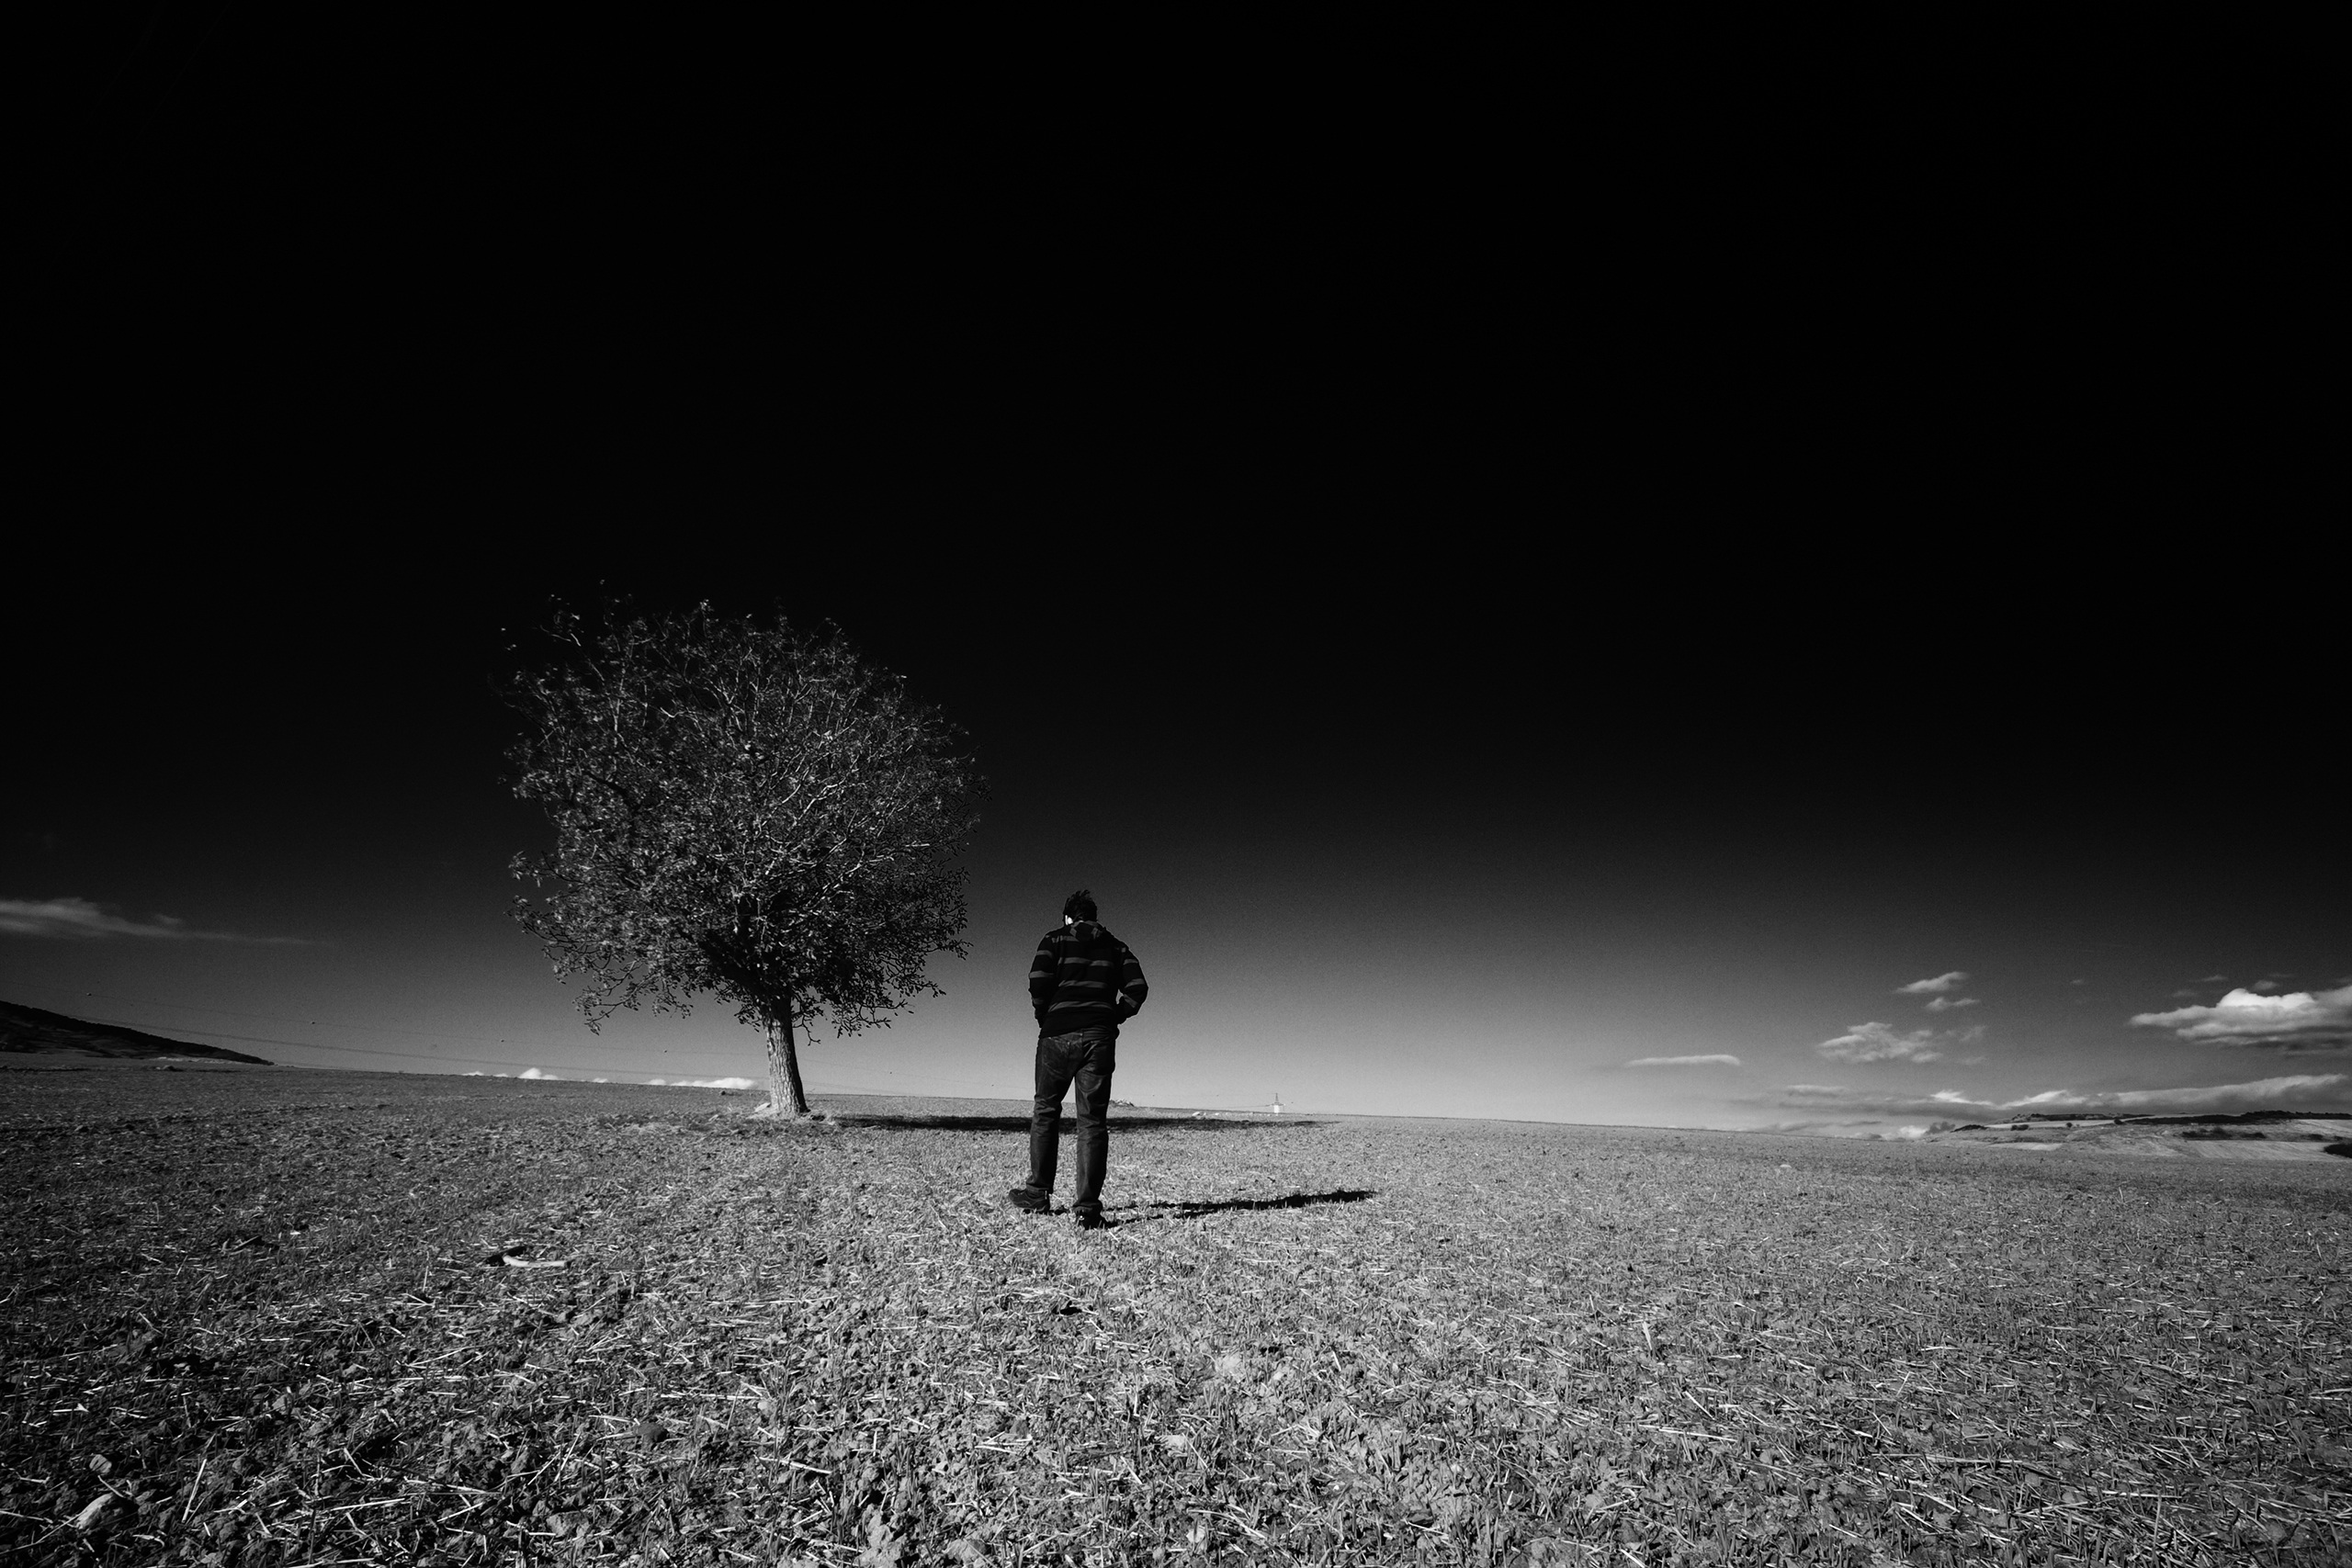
359	1050
282	1018
997	1089
314	1022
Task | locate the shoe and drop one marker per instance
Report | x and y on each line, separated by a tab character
1093	1220
1033	1199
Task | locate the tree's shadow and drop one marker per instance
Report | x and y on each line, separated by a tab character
1195	1211
1067	1125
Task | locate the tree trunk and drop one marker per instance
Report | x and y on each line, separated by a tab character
784	1064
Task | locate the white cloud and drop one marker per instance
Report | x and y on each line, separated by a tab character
1943	982
1910	1131
1946	1004
2262	1093
2306	1089
79	917
1716	1061
711	1083
1882	1043
2299	1021
1836	1096
2317	1090
535	1073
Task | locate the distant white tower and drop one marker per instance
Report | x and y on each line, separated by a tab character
1278	1102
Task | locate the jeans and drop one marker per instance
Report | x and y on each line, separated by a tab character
1088	1057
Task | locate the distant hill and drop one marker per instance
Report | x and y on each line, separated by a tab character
31	1031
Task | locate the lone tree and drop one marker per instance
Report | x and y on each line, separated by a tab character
744	808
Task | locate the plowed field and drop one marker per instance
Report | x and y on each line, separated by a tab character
267	1317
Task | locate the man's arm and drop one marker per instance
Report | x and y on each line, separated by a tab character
1044	973
1131	989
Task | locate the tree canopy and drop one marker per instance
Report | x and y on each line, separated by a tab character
743	809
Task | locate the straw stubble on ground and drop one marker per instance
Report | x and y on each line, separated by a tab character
290	1319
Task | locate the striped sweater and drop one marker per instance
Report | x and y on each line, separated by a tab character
1084	976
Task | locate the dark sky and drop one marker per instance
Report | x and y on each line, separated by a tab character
1477	623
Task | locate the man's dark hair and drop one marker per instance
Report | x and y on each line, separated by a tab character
1079	906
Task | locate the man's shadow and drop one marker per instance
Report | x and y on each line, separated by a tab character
1196	1211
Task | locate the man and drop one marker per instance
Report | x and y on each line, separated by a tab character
1083	984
